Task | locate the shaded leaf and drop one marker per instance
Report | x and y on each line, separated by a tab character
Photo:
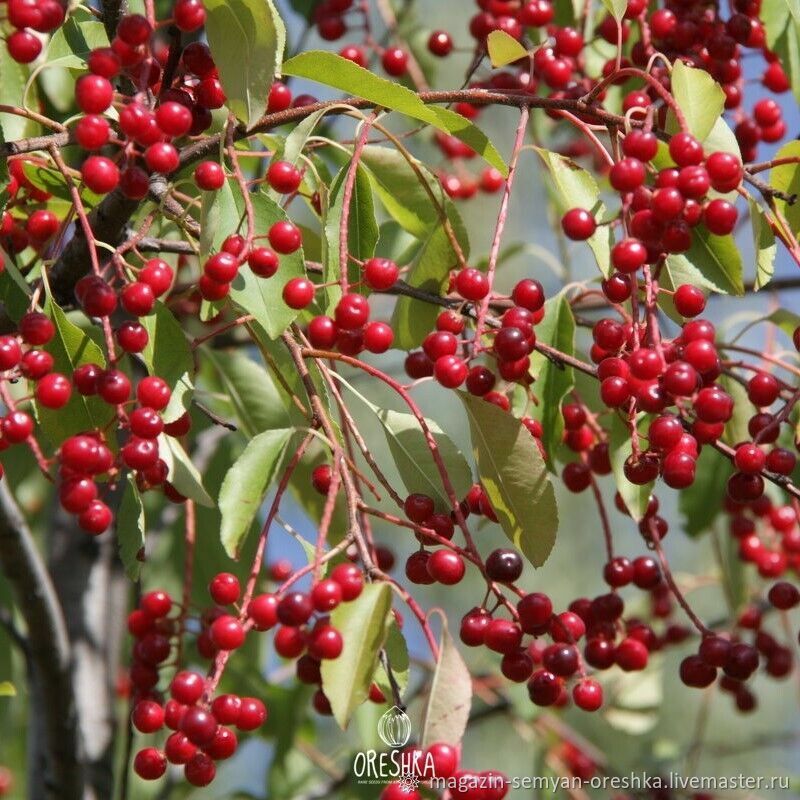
712	262
786	178
553	382
262	297
362	230
130	521
450	698
397	654
414	319
183	474
258	403
620	448
246	484
577	188
169	356
514	475
247	39
71	347
702	502
766	248
364	625
412	455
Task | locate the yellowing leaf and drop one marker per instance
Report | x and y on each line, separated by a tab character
504	49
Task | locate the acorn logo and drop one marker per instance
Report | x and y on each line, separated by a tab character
394	727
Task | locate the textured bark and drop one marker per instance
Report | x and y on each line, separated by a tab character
92	589
55	761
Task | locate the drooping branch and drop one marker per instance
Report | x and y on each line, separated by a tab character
49	649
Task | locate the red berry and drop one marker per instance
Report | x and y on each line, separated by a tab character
395	61
472	284
93	93
689	300
150	764
100	174
578	224
209	176
224	588
284	177
284	237
380	273
298	293
189	15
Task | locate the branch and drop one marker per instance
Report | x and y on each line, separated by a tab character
49	650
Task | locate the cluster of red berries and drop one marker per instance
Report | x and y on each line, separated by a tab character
513	341
331	18
24	222
27	16
199	721
350	330
739	660
662	215
654	378
201	726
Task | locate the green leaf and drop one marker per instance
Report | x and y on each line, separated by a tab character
331	69
7	689
131	530
412	455
576	188
71	43
781	20
362	229
169	356
247	39
698	96
504	49
553	382
400	188
183	474
246	484
71	347
635	497
364	625
616	8
262	297
14	291
413	319
414	461
786	178
514	475
450	698
703	501
251	390
736	428
766	248
52	181
14	78
786	320
397	654
296	140
712	262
